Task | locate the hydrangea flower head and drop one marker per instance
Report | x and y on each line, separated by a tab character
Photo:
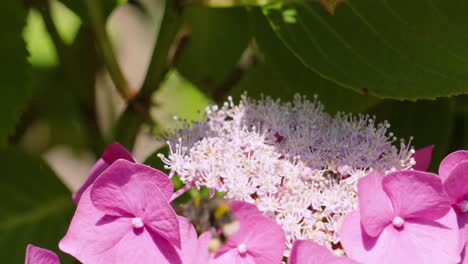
308	252
403	217
37	255
296	163
112	153
259	240
125	217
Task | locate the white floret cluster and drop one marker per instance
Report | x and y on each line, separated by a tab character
297	163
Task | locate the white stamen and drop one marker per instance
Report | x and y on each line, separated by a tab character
137	222
242	248
463	206
398	222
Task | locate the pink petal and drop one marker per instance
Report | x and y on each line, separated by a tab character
243	209
449	162
116	151
96	170
145	248
262	237
463	226
189	239
124	185
202	246
308	252
456	183
112	153
464	258
418	242
94	237
232	256
132	190
423	158
374	205
416	194
37	255
193	250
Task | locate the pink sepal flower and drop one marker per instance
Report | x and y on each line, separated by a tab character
259	239
37	255
423	157
112	153
404	217
308	252
194	249
450	162
125	217
454	173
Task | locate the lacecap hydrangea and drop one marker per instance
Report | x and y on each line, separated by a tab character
298	164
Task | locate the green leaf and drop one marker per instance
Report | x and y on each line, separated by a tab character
40	46
393	49
13	69
429	122
35	206
460	139
218	37
54	105
154	161
177	97
281	75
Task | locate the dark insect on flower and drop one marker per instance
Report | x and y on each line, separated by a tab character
213	215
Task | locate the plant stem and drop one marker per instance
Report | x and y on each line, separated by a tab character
163	57
106	49
60	46
181	191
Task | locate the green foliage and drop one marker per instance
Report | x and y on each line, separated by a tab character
35	206
187	94
218	36
460	137
13	69
281	75
40	46
429	122
391	49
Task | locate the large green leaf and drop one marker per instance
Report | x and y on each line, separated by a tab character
13	68
393	49
460	139
429	122
177	97
281	75
35	207
218	36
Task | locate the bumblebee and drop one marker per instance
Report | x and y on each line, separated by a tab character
213	215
